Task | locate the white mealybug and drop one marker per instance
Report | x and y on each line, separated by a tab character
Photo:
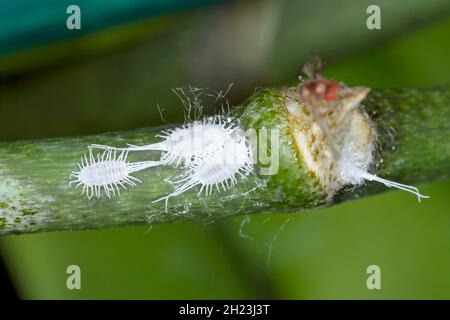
108	171
218	169
193	140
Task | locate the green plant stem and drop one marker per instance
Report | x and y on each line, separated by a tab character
413	147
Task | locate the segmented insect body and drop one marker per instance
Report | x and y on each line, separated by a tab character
196	140
193	140
107	172
218	170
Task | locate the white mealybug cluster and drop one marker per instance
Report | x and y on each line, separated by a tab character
212	154
106	172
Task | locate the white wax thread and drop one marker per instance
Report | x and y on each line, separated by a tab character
354	163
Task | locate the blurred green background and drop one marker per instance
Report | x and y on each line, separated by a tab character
116	72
